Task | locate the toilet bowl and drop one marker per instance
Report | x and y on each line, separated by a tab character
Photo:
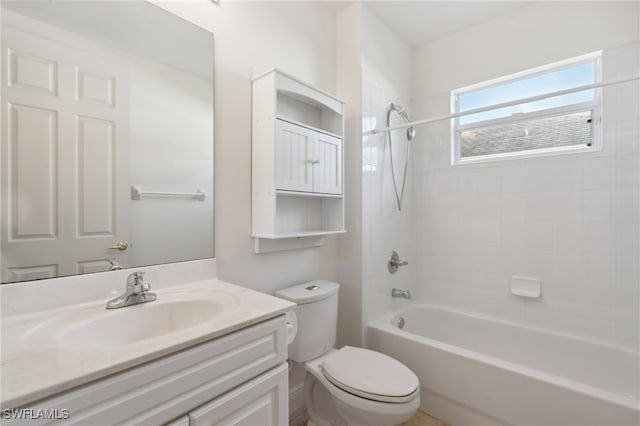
367	387
363	387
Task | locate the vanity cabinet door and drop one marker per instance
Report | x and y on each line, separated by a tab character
262	401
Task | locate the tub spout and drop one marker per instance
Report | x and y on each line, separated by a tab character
405	294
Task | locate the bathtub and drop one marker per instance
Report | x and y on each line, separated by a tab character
475	370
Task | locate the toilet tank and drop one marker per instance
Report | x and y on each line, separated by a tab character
317	318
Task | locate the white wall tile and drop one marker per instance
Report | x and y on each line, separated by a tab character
597	205
385	79
627	330
627	270
448	182
531	235
627	142
568	237
628	101
556	175
513	206
600	270
627	137
625	205
599	173
568	270
627	171
569	220
515	179
486	206
482	180
627	238
599	237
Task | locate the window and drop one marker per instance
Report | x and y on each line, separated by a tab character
564	123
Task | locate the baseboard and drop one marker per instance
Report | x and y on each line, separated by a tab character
296	403
300	419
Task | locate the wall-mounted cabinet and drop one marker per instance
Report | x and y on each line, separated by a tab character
297	166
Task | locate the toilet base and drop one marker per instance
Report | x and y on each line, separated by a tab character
327	405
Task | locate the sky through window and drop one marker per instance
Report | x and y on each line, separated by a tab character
547	82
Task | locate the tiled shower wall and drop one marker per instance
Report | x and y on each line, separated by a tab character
570	220
386	67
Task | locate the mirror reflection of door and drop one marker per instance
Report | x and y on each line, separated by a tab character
64	158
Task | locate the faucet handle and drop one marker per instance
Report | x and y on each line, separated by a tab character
394	262
135	279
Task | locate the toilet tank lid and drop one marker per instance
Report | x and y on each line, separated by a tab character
308	292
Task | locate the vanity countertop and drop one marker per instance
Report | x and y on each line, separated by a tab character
34	367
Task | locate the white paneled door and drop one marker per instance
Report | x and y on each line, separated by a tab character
64	159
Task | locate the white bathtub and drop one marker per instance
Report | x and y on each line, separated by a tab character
475	370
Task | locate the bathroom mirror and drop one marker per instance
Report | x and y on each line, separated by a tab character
107	138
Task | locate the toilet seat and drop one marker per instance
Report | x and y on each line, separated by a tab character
371	375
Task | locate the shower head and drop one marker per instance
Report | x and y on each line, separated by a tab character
402	112
411	132
399	109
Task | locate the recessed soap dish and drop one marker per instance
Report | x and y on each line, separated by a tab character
526	287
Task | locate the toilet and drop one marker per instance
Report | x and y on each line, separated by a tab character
347	386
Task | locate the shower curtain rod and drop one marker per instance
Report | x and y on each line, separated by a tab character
505	104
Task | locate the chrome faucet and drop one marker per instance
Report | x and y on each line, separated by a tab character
136	292
115	266
394	262
404	294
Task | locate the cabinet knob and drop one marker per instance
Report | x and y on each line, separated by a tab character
314	161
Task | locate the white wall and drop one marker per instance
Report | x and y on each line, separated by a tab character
386	78
349	255
569	220
251	37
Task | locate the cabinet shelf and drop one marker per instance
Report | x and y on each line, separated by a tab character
297	167
286	193
297	234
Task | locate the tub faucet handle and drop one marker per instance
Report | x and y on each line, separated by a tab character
394	262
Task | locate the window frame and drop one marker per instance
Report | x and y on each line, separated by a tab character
595	106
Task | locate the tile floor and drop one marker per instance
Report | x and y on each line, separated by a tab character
420	419
423	419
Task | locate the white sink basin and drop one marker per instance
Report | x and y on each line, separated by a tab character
94	326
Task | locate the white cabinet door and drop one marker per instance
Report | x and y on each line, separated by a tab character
306	160
327	169
294	156
261	402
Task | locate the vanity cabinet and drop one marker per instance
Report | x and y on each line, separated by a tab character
237	379
297	163
255	403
